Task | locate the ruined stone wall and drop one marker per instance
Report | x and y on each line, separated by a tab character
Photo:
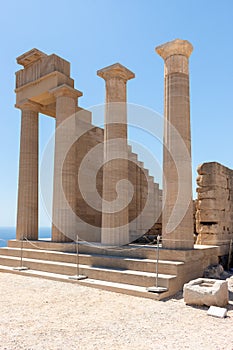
138	176
214	215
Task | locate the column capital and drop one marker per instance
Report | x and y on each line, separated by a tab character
27	105
67	91
175	47
116	70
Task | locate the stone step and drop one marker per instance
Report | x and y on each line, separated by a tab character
98	260
93	283
150	251
113	265
138	278
138	251
132	250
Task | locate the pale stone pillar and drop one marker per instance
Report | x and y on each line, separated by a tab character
177	159
27	214
64	228
115	230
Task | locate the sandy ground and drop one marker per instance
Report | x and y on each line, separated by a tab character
42	314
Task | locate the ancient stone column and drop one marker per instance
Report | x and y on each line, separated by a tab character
64	228
27	215
115	230
177	188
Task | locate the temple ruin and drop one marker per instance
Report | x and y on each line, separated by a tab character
44	86
112	261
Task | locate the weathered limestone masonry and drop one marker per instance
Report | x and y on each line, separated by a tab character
66	103
27	218
44	86
214	216
139	178
177	158
115	229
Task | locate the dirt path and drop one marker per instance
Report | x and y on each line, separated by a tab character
43	314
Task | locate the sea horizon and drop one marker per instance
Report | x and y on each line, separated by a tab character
9	232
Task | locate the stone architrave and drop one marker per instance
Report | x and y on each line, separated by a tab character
27	214
40	74
177	117
115	230
64	228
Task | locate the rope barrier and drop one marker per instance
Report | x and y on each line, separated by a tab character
155	244
129	247
39	248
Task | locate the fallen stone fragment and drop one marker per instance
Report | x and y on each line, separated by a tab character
204	291
217	311
214	271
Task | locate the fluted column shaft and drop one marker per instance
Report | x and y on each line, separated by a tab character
63	228
177	147
115	230
27	214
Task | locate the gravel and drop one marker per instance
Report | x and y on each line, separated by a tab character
44	314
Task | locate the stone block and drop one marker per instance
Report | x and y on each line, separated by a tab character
217	311
211	216
212	229
213	179
214	271
212	193
207	238
209	292
210	168
212	204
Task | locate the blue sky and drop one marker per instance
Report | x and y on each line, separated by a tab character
92	34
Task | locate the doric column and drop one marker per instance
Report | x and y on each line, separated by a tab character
64	229
177	187
27	215
115	230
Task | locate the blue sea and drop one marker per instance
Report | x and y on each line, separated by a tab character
7	233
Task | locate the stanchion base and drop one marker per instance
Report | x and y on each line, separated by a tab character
21	268
77	277
156	289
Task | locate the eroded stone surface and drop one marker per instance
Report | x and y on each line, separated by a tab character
214	222
204	291
44	85
177	233
214	271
